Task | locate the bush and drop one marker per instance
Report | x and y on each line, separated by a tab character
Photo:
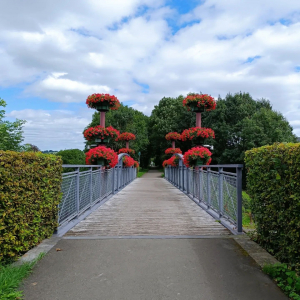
30	186
273	183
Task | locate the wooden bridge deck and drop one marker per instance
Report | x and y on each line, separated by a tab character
149	206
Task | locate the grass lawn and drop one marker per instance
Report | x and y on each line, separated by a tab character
142	172
11	277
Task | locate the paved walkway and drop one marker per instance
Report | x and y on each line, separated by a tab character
126	250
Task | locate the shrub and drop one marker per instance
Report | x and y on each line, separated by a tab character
30	185
273	183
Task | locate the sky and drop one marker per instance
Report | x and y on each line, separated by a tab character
53	54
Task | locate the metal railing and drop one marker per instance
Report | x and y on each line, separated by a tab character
83	190
217	191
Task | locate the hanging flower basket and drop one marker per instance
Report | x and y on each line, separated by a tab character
197	156
173	151
128	151
173	136
128	161
102	155
173	162
126	136
136	164
197	133
100	134
103	102
199	102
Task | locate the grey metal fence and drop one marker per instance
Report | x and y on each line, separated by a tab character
217	191
82	190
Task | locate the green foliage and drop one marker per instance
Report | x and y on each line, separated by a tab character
11	277
168	116
30	185
273	183
127	119
240	123
11	134
287	279
72	157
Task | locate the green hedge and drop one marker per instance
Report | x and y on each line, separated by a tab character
30	191
273	182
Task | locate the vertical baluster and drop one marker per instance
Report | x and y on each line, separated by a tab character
221	182
239	199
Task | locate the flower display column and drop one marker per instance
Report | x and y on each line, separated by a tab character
102	103
126	136
100	135
198	155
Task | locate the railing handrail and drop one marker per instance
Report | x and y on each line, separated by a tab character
204	185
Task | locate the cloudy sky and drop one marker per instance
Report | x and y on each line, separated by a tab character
53	54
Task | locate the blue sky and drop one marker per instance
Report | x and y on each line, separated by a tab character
56	54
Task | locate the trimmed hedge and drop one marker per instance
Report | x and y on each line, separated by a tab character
273	182
30	185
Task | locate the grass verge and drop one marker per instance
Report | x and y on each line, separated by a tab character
142	172
11	277
287	279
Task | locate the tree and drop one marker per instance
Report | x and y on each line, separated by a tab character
71	157
240	123
168	116
127	119
30	148
11	133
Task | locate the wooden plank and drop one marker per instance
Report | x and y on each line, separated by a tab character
149	206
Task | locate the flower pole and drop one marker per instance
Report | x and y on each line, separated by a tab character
126	136
198	155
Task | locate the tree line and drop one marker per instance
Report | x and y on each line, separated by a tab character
239	121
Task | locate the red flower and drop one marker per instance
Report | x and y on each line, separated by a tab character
107	99
136	164
173	151
173	162
99	132
128	161
173	136
191	133
110	156
128	151
205	101
126	136
190	157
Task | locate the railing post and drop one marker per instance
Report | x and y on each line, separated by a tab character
91	186
221	182
239	199
113	181
187	181
100	181
208	187
77	191
200	184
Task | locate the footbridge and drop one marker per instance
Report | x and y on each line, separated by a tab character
204	201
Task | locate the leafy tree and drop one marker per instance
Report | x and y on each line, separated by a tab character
71	157
240	123
127	119
30	148
168	116
11	134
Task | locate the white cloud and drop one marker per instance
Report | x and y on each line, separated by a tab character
54	130
92	46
